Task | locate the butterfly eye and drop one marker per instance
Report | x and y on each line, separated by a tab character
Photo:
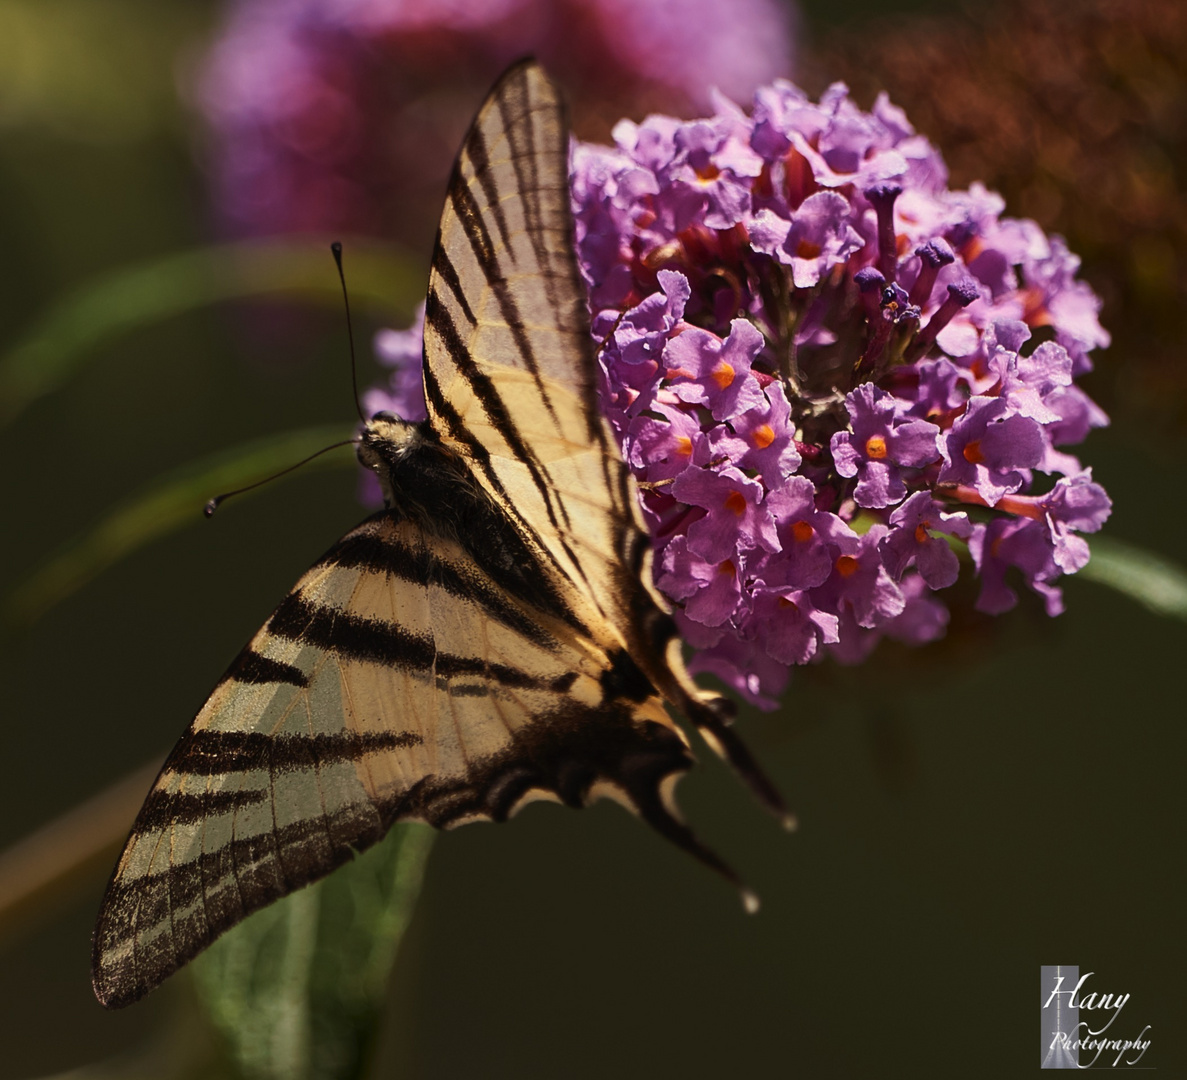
390	417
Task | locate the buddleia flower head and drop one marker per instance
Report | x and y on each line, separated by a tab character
830	374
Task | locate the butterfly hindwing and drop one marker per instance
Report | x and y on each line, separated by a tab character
397	681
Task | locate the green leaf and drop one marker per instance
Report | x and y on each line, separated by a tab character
1151	580
63	337
174	501
297	989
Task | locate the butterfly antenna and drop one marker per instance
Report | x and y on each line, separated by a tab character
336	248
213	504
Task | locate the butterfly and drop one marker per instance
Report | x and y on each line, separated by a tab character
491	637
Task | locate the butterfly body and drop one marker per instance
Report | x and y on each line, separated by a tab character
424	481
471	550
490	638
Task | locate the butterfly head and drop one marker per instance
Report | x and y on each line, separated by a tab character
385	438
414	469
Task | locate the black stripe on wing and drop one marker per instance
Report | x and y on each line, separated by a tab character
466	207
518	132
387	553
526	159
444	269
438	318
353	637
512	100
163	808
189	905
216	753
350	637
251	667
540	175
564	752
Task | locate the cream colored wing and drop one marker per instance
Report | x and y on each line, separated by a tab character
396	682
511	384
510	377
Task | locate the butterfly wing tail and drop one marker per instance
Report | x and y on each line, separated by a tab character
713	715
656	805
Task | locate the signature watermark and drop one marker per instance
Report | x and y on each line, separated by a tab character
1078	1017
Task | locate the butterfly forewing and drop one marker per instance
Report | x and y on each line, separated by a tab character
510	380
504	279
510	372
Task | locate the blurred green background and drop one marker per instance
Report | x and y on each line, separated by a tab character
1008	798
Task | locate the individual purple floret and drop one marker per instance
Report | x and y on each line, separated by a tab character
712	589
704	370
759	440
817	237
1014	543
735	517
860	587
878	444
793	627
919	526
808	537
821	364
991	448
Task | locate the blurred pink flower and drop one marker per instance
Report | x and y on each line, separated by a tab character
345	115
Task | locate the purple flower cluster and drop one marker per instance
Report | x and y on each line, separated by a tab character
345	115
830	374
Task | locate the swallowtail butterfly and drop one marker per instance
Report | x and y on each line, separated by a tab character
489	638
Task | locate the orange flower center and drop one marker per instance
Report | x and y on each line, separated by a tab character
736	502
727	568
708	172
762	436
922	536
723	374
972	453
802	531
847	566
805	249
1034	311
876	447
684	446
